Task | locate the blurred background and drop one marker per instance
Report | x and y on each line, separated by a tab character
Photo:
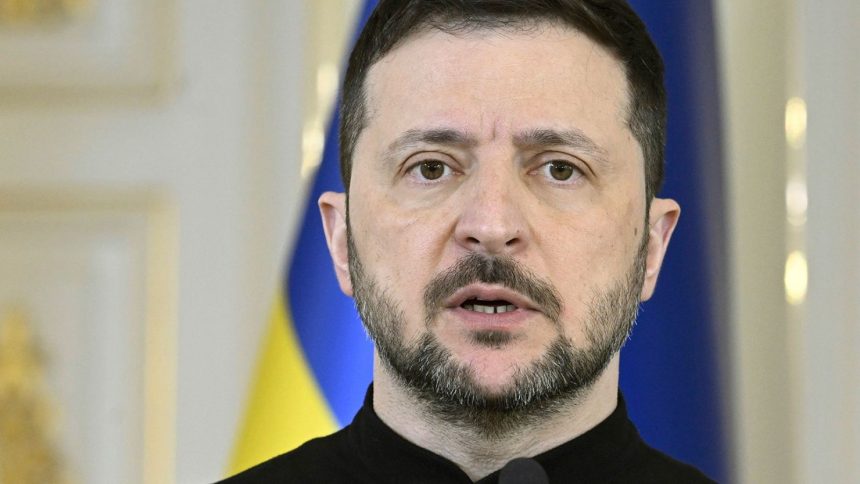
156	163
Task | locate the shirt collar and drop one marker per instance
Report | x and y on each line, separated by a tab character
595	453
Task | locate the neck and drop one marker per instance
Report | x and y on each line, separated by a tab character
475	453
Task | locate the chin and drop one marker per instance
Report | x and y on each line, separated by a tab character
494	371
493	387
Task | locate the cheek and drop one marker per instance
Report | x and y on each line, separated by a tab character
620	224
401	247
586	257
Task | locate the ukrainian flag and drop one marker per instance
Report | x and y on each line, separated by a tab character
316	360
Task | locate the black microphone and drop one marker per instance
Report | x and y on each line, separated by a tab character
523	470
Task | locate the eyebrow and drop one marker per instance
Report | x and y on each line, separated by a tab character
534	138
573	138
440	136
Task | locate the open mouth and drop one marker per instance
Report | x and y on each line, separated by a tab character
491	299
497	306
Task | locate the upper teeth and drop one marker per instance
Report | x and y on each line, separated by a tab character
489	309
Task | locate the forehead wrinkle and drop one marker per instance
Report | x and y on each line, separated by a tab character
433	136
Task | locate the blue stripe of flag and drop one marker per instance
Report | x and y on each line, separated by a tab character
670	371
331	335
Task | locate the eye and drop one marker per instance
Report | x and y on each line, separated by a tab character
560	170
430	170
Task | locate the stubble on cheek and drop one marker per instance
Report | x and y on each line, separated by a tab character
452	390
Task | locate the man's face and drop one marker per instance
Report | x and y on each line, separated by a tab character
488	153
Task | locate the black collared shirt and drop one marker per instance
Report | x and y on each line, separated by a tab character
368	451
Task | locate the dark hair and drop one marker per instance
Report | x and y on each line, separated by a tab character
609	23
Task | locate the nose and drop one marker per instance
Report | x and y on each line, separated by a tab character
492	219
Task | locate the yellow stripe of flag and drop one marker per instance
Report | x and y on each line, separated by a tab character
286	407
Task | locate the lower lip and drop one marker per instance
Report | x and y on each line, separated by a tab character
507	320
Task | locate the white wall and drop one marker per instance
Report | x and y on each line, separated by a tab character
830	418
224	147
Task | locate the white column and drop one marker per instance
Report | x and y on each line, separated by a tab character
753	47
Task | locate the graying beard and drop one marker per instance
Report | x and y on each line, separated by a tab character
449	389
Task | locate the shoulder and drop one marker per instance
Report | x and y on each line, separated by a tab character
324	458
651	465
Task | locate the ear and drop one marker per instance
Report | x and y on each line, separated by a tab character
662	220
333	211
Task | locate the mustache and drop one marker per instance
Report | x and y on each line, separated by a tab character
501	270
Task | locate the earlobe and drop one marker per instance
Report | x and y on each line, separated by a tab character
333	212
662	220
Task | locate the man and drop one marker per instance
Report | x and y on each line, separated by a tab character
499	229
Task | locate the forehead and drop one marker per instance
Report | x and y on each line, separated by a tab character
491	79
